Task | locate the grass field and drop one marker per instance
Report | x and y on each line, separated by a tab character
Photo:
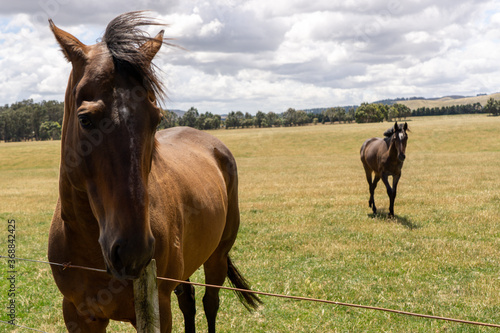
307	229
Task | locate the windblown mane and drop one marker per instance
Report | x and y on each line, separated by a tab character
123	38
390	131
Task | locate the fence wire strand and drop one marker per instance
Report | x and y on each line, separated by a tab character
298	298
21	326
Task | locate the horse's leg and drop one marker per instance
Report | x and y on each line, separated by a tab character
395	180
187	304
216	267
368	173
389	193
215	273
165	311
373	186
83	322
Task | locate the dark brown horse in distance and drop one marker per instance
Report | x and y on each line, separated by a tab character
128	194
384	158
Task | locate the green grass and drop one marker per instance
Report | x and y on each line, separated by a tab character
307	229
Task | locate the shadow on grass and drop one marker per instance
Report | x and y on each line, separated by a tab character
403	220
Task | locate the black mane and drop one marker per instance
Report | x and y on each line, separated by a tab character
123	37
390	131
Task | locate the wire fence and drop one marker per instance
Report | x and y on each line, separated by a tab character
298	298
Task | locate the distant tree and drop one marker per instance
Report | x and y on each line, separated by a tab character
478	108
200	121
403	110
50	130
272	119
289	117
492	106
328	114
168	119
189	118
383	110
215	121
350	114
370	113
335	114
232	121
240	117
393	113
301	118
398	111
53	111
18	125
339	114
247	121
37	117
259	118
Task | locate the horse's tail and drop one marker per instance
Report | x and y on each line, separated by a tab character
248	299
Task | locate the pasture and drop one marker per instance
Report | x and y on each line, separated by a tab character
307	229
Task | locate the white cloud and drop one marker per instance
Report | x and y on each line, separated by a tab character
27	61
271	55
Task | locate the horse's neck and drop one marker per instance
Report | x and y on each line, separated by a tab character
392	150
75	209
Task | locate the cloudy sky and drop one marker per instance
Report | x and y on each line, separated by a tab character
270	55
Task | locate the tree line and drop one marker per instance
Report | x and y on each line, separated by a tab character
27	120
451	110
377	112
238	119
492	106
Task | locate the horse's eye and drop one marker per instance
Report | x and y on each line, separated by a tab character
85	121
152	98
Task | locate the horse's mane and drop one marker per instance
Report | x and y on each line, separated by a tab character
390	131
123	37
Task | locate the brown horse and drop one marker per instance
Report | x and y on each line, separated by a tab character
128	194
384	158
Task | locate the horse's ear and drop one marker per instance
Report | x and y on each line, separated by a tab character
396	128
405	126
72	48
152	46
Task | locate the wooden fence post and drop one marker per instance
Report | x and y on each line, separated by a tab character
147	309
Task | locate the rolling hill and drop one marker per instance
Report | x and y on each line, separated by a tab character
448	101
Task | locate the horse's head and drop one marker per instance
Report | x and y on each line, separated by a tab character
399	139
108	136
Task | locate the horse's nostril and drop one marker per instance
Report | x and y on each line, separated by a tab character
115	256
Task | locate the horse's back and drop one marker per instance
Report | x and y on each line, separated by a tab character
188	145
193	140
186	135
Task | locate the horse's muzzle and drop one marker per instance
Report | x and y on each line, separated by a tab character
124	260
402	157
